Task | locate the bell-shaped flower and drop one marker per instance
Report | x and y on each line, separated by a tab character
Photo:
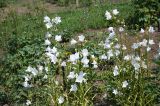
95	64
85	61
115	91
56	20
73	42
124	84
111	35
110	54
110	29
28	102
85	52
26	84
151	29
32	70
73	88
58	38
115	72
144	43
142	30
103	57
151	42
81	38
47	42
63	64
49	25
127	57
80	78
60	100
54	50
121	29
47	19
71	75
135	45
48	35
115	12
108	15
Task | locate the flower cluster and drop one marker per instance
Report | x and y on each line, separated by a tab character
73	66
108	14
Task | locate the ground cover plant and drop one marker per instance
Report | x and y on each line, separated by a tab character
49	64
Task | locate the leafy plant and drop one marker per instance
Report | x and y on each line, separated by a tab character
146	13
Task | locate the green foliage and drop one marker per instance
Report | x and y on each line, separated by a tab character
146	13
3	3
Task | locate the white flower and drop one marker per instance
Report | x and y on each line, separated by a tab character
142	30
151	29
144	42
73	42
47	42
127	57
151	42
121	29
110	29
25	84
40	68
48	49
45	77
77	55
53	50
137	58
58	38
94	64
32	70
46	69
124	47
71	75
56	82
28	102
117	46
135	45
57	20
110	54
60	100
103	57
81	38
107	45
135	64
52	57
74	57
115	12
27	78
117	52
49	25
63	64
115	72
85	52
144	65
124	84
73	88
111	35
148	49
85	61
80	78
48	35
108	15
47	19
93	56
115	91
